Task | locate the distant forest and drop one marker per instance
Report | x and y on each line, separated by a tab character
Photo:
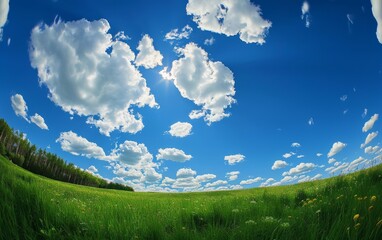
15	147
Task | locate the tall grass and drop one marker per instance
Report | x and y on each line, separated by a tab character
34	207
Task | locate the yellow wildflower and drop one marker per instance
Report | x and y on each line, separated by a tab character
373	198
357	226
355	218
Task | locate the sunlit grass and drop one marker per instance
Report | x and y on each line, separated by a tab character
34	207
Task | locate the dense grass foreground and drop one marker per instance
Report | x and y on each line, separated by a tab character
34	207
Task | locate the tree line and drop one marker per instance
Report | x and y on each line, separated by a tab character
15	147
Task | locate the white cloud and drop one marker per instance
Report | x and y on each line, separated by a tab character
230	17
216	183
134	155
369	124
319	154
205	177
92	169
251	181
267	182
331	160
90	74
296	145
232	175
371	150
209	41
369	138
279	164
172	154
288	155
307	178
167	181
300	156
4	10
180	129
336	148
130	173
19	106
148	57
300	169
311	121
39	121
185	173
376	8
364	113
305	13
343	98
175	34
151	175
187	183
79	146
208	84
233	159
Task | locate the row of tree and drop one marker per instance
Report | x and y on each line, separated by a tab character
15	147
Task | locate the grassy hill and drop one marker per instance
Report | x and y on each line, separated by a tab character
35	207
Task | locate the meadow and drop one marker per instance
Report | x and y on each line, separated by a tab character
344	207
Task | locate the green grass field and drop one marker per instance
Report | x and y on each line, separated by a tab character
34	207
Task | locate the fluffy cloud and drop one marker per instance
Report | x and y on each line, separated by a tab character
187	183
130	173
308	178
148	57
371	150
151	175
267	182
216	183
19	106
300	169
167	181
209	41
230	17
331	160
89	74
369	124
208	84
376	8
175	34
300	156
185	173
39	121
288	155
134	155
336	148
172	154
296	145
205	177
319	154
233	159
369	138
232	175
79	146
180	129
4	10
251	181
92	169
305	13
279	164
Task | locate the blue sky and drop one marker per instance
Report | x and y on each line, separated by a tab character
196	95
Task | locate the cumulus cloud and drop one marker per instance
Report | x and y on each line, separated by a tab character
208	84
305	14
308	178
180	129
251	181
205	177
167	181
216	183
209	41
39	121
92	169
151	175
172	154
300	169
369	138
4	10
129	173
232	175
331	160
148	57
230	17
233	159
300	156
296	145
267	182
175	34
319	154
185	173
369	124
279	164
288	155
376	8
336	148
79	146
133	154
371	150
19	106
88	73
